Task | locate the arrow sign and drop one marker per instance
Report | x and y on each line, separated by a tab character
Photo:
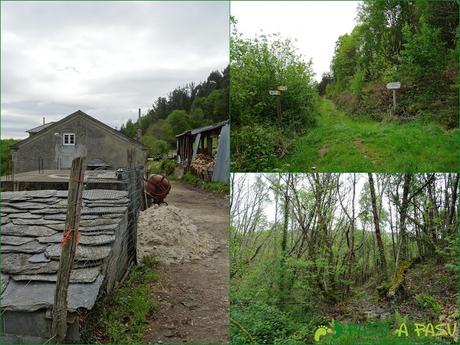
274	92
282	88
394	85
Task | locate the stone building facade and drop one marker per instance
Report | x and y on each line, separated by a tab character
54	146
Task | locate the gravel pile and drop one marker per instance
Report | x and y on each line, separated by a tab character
169	235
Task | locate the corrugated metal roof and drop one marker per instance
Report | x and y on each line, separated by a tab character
204	129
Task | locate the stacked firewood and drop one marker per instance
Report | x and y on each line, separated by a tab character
203	165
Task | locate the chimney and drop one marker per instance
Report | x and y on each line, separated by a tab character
139	130
43	120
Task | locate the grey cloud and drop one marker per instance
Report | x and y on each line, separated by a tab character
191	38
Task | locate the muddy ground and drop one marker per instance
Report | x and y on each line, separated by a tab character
193	296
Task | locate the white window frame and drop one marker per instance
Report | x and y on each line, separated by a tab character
68	136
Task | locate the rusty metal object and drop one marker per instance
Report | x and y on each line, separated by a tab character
157	187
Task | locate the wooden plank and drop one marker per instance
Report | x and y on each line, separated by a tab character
74	205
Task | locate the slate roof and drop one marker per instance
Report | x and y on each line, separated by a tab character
87	117
32	225
39	128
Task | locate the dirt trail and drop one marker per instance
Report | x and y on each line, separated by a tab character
193	296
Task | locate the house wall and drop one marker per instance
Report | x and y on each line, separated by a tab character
90	139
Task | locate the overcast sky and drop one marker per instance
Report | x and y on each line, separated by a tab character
105	58
315	24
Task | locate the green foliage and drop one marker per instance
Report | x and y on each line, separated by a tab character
260	322
427	301
162	130
259	65
164	167
178	121
186	107
157	147
423	57
6	158
400	41
122	318
254	148
211	186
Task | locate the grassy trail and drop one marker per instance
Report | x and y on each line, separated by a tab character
340	143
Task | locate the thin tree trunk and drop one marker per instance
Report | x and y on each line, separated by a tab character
375	212
403	254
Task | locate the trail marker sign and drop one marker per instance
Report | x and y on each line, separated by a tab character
274	92
394	86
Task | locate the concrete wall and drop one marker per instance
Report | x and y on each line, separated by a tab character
91	139
18	327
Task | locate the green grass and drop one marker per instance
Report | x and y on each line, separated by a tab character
121	319
342	144
213	186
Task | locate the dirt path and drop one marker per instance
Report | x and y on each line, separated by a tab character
193	297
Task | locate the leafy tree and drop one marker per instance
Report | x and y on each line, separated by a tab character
262	64
185	107
423	58
157	147
6	158
178	121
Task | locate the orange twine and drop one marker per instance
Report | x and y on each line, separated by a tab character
68	235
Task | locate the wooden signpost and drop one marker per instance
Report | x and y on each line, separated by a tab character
278	93
394	86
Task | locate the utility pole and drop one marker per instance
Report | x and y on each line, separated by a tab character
139	130
279	111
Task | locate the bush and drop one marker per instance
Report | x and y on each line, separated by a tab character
213	186
257	322
256	148
164	167
426	301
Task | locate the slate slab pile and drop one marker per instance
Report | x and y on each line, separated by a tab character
32	227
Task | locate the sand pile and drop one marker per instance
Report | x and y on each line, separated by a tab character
168	234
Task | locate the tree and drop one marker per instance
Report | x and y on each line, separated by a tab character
262	64
178	120
378	235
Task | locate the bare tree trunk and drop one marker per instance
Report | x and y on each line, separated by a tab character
375	212
403	254
452	210
284	236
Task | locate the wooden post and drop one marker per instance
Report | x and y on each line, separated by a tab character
278	110
394	101
69	247
209	144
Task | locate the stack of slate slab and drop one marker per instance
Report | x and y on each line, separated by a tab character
32	227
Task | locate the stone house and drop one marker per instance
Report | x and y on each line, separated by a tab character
54	145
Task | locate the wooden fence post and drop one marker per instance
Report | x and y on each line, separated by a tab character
69	246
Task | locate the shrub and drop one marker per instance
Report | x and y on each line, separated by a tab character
426	301
254	148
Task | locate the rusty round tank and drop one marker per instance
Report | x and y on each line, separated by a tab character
158	187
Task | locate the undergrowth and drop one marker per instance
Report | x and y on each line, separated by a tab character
209	186
121	319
